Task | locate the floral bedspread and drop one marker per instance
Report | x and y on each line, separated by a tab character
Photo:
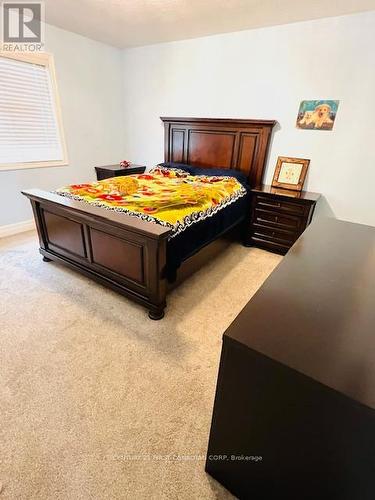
169	197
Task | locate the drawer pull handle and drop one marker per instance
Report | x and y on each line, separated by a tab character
260	219
270	204
288	207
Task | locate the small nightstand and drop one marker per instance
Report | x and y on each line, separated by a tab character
116	171
279	217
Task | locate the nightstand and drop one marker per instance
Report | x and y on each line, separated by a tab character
278	217
116	171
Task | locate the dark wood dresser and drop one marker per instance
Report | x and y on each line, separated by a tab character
294	413
108	171
278	217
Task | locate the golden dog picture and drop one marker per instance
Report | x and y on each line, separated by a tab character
317	115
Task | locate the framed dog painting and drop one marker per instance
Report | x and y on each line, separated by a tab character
290	173
317	115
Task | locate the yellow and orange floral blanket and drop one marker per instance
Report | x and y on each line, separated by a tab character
169	197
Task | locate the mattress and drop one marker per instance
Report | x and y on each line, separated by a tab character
170	197
197	205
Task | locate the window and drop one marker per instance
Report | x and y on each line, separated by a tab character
31	132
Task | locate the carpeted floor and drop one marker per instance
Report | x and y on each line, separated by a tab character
94	396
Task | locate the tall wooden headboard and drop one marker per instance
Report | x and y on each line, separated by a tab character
219	142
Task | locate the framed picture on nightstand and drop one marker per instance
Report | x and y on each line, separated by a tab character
290	173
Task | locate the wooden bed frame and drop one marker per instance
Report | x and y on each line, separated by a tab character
128	254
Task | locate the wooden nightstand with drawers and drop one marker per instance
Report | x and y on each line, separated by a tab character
116	170
279	217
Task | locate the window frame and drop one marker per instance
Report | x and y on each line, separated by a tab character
42	59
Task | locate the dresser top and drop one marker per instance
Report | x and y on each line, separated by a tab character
287	193
316	311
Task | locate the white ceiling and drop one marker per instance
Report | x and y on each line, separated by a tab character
130	23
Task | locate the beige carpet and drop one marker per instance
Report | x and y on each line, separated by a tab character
94	395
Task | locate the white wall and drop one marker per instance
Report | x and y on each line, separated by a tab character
89	77
265	73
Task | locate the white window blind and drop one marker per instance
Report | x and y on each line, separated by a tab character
29	128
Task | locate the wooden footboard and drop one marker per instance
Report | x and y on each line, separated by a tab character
117	250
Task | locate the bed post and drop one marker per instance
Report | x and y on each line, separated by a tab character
157	264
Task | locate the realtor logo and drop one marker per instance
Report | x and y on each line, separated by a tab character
22	26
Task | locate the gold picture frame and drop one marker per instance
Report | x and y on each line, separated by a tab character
290	173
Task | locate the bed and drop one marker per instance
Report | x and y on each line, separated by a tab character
137	257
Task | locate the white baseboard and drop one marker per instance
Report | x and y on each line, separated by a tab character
19	227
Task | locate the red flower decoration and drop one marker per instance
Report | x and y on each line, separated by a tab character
150	209
80	186
110	197
145	176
